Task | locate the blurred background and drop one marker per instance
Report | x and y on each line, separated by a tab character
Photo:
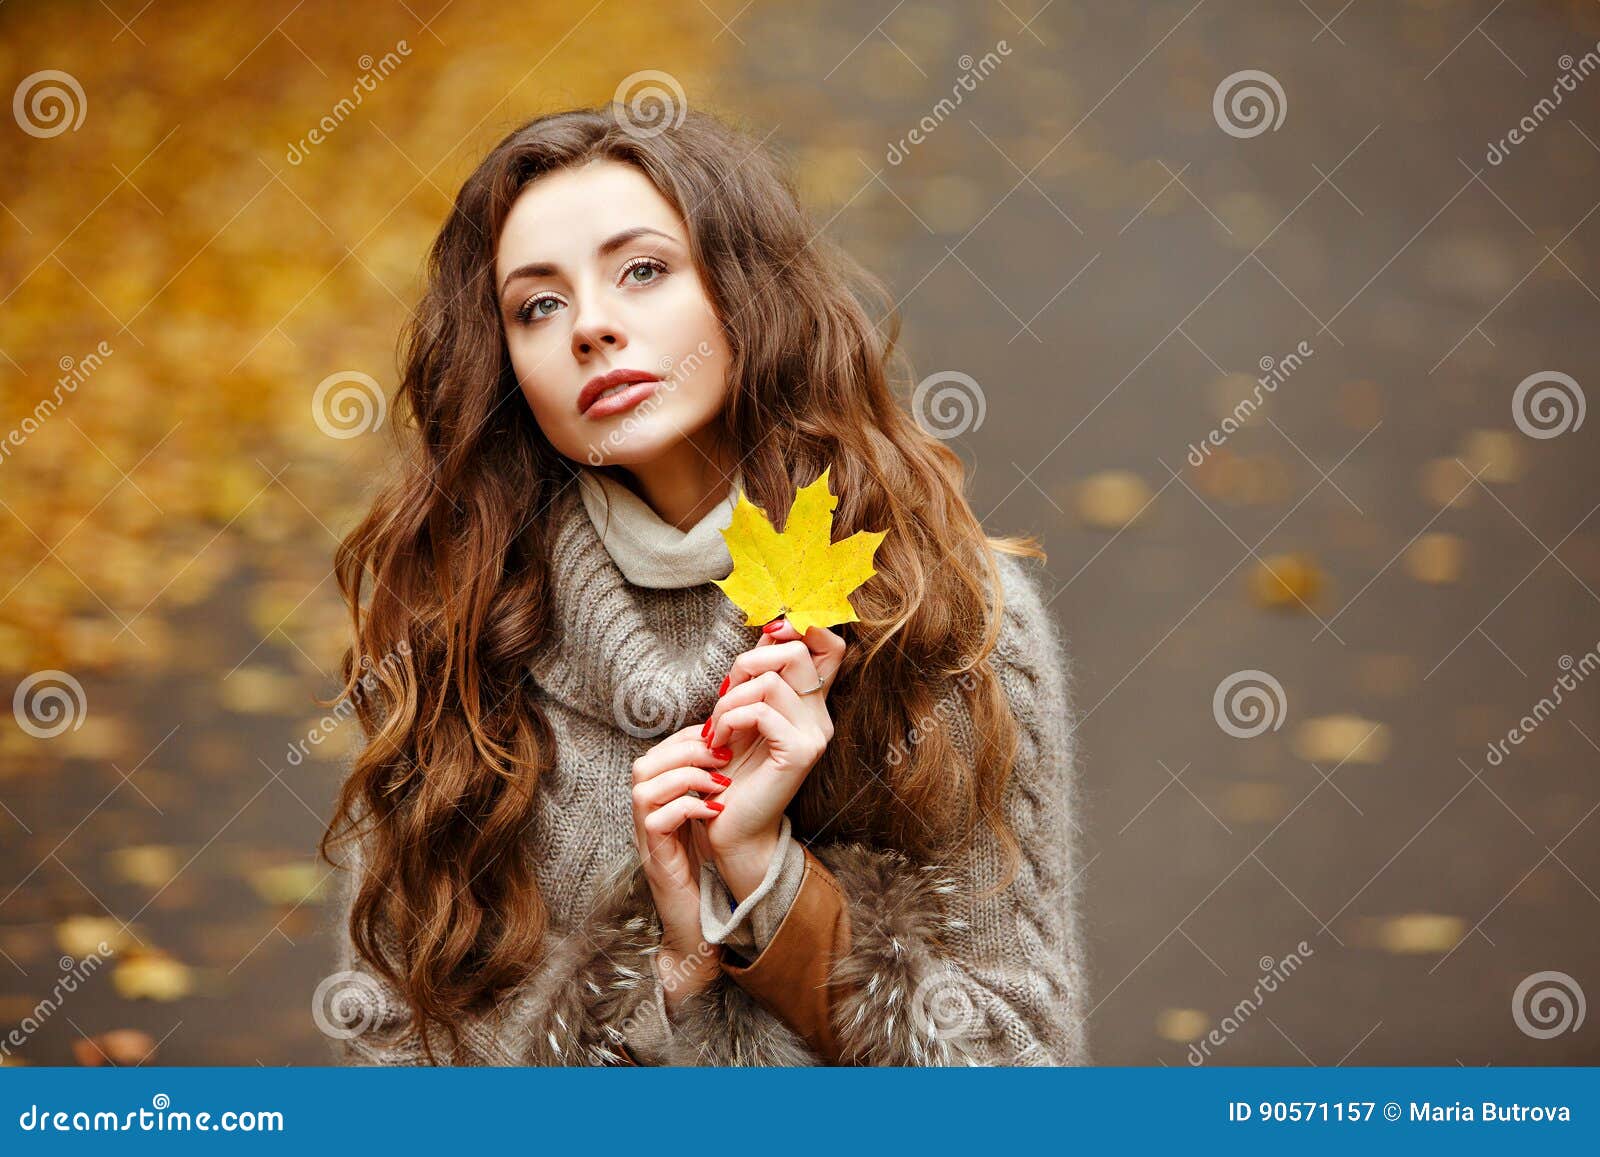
1274	320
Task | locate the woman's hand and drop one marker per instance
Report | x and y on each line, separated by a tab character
776	735
672	853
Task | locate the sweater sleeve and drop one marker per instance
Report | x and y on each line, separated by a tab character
595	999
881	961
748	926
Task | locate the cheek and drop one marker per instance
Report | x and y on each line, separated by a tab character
701	346
532	365
703	368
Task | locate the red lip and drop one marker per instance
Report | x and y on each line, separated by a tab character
596	386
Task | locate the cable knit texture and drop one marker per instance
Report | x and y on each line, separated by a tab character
933	976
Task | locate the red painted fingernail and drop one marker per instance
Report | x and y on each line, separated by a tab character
724	754
723	690
773	627
705	730
720	778
712	804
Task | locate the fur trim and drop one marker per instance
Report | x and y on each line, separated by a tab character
602	977
894	982
725	1026
598	978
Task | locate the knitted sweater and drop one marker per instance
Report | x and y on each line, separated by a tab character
643	642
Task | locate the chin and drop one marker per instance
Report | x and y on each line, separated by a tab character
639	436
617	442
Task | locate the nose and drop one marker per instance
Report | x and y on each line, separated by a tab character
595	330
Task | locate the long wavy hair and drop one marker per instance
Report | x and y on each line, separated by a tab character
447	575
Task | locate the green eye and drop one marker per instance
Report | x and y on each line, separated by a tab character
529	311
648	264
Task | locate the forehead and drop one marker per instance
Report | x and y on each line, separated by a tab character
562	216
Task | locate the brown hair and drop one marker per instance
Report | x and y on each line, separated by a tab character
459	604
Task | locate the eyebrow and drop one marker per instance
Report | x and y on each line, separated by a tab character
608	246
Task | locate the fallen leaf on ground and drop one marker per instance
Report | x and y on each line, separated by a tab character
1286	582
1181	1024
1419	932
1112	499
82	936
1494	455
151	865
152	975
121	1046
1435	559
1341	739
297	883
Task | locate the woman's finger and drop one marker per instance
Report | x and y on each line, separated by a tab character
792	660
768	687
781	734
683	748
826	646
670	817
669	785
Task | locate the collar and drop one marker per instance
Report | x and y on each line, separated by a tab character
648	550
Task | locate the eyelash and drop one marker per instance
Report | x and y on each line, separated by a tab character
524	313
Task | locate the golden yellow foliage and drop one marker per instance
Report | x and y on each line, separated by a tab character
799	572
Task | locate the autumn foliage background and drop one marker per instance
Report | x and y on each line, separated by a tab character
1080	239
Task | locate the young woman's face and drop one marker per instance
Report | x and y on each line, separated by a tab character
594	276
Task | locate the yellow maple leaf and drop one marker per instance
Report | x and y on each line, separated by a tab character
798	572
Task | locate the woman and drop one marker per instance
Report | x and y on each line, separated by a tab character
598	818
